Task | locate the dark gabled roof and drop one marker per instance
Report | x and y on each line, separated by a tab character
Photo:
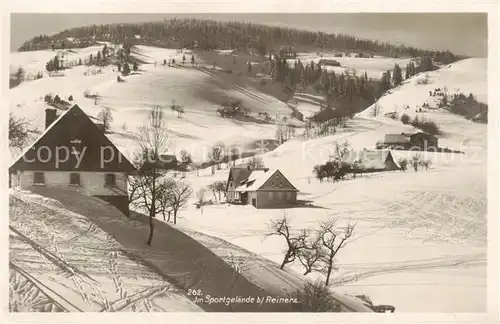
238	175
74	133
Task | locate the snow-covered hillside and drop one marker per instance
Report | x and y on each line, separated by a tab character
198	129
420	240
373	66
465	76
34	62
72	265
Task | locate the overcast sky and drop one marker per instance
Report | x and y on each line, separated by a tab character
461	33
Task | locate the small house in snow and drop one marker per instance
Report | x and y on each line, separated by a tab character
262	188
372	161
74	154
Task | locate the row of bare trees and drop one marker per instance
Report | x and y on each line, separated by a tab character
149	188
221	153
417	162
315	250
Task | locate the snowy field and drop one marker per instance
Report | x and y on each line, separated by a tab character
374	67
418	234
34	62
420	239
75	266
466	76
198	129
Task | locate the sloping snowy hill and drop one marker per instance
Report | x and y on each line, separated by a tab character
418	233
465	76
77	266
200	94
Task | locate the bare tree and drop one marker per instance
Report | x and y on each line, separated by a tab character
178	197
106	117
216	155
426	164
295	244
331	246
416	161
140	194
256	162
218	187
186	160
311	255
152	139
341	151
233	153
200	196
19	132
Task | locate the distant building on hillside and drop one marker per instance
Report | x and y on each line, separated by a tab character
74	154
262	188
406	141
166	161
327	62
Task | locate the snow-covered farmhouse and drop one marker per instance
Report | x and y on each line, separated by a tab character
262	188
74	154
372	161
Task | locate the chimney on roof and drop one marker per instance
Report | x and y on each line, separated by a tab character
50	116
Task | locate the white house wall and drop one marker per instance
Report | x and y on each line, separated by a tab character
91	183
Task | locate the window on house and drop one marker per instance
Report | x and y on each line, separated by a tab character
110	179
39	178
74	179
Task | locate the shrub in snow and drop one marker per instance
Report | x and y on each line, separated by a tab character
405	119
315	296
403	163
416	161
426	125
48	98
426	164
424	80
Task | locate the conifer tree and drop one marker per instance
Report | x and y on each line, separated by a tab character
126	69
397	76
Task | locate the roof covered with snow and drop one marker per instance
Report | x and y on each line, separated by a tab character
371	159
258	178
